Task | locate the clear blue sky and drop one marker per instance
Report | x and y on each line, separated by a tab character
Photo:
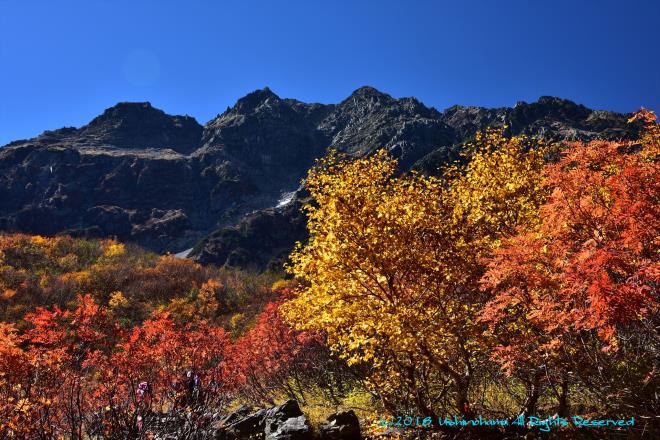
64	62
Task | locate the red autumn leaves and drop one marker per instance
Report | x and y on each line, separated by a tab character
592	261
74	370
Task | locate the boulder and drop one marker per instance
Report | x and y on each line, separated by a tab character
342	425
238	414
294	428
281	422
250	426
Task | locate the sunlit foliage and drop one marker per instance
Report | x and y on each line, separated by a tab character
37	270
575	298
392	267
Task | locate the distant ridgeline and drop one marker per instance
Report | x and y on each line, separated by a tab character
168	183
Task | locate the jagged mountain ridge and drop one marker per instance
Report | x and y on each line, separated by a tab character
165	182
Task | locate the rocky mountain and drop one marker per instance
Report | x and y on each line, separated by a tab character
421	137
166	182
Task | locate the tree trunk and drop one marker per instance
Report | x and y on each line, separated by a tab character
462	401
423	408
533	394
563	398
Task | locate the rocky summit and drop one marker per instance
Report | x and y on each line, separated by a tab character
230	188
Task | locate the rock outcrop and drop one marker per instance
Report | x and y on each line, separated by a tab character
420	137
261	240
281	422
343	425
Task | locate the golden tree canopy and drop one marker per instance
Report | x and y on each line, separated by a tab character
392	266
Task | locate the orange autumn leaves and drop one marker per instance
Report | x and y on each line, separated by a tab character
573	299
117	316
591	264
267	357
587	274
14	409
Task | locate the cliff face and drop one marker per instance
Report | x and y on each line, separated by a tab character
127	173
420	137
166	182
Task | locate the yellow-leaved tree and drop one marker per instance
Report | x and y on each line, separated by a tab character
391	270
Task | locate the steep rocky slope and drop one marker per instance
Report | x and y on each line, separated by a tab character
166	182
126	174
420	137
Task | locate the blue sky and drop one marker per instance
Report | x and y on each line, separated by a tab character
64	62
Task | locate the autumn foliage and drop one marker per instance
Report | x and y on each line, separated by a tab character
392	267
77	373
73	367
584	280
529	265
272	358
49	271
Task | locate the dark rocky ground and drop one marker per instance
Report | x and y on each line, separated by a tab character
288	422
281	422
168	183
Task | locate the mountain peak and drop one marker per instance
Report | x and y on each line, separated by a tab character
552	106
367	97
554	100
369	92
125	111
254	99
140	125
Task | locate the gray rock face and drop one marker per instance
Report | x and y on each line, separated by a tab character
261	240
139	125
159	199
281	422
421	137
369	120
341	426
165	182
294	428
549	117
248	427
271	140
238	414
